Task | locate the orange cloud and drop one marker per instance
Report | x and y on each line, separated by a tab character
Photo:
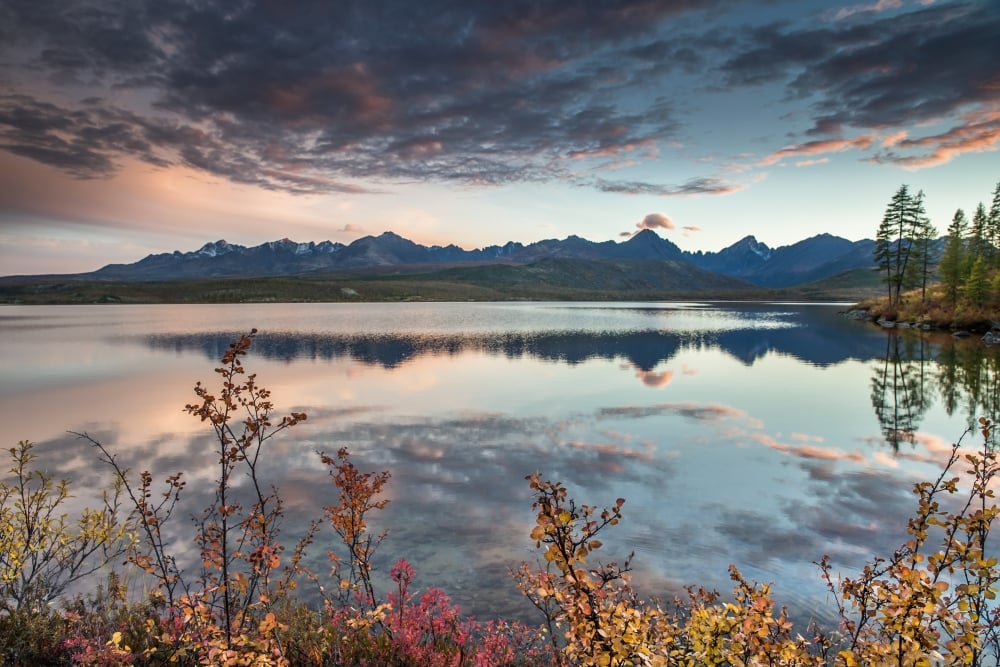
807	451
809	163
980	132
655	221
878	7
615	149
651	379
818	147
353	87
645	454
894	138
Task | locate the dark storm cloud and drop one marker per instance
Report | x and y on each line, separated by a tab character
893	71
276	95
307	98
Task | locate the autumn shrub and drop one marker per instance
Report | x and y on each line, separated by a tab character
596	618
924	605
239	606
227	603
42	552
32	637
933	601
425	629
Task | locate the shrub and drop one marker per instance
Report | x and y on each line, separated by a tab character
921	606
41	551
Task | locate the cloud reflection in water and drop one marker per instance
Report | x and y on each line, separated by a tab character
460	419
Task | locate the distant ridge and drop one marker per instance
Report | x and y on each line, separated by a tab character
807	261
747	260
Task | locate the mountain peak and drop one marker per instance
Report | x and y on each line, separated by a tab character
220	247
748	259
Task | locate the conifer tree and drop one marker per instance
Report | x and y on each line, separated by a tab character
979	243
903	223
922	256
892	248
951	269
977	285
993	224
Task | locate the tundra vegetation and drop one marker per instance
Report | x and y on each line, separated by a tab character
931	602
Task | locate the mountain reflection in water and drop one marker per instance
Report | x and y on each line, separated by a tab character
644	349
764	435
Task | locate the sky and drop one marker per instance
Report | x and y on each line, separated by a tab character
131	127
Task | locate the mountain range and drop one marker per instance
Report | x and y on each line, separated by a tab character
749	261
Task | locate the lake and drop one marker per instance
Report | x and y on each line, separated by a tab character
764	435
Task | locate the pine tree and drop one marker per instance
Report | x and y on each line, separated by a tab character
977	285
893	241
921	235
979	244
883	253
951	268
993	224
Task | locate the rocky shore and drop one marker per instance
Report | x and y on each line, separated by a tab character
988	330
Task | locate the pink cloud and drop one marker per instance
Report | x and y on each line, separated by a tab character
808	451
613	149
809	163
645	453
818	147
351	228
894	138
651	379
655	221
878	7
687	230
353	86
980	132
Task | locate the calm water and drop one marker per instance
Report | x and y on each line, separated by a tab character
762	435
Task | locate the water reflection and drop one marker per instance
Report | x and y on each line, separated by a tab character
900	391
968	379
916	368
643	349
734	439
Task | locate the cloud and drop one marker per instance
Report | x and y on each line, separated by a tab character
878	7
89	143
807	451
886	74
655	221
817	147
701	412
980	132
352	228
319	99
694	186
312	100
655	380
894	138
687	230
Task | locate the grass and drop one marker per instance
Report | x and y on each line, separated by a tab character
547	280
